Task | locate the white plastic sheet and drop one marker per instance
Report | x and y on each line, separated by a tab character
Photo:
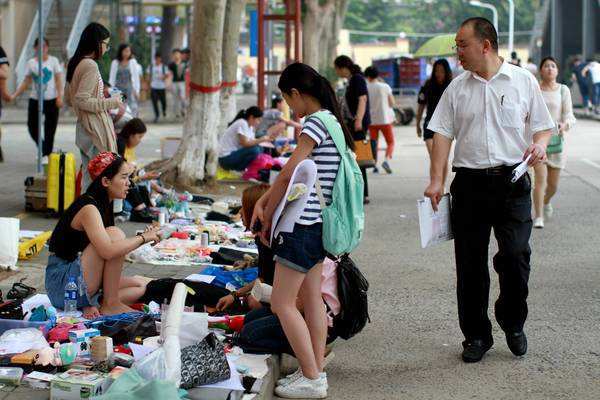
9	242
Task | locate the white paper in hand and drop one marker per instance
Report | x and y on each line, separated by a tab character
435	226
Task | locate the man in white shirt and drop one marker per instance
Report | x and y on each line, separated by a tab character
159	74
593	71
486	110
381	101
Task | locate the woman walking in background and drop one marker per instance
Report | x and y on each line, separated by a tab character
429	96
558	101
84	92
125	76
357	99
52	81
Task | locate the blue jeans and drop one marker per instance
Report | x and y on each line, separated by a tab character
262	333
596	94
240	159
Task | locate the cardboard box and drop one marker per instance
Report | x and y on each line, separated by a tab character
35	193
77	384
82	339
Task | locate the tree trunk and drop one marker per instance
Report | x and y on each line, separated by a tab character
167	32
196	158
313	26
333	28
231	41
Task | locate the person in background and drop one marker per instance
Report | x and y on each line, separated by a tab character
125	76
238	146
558	101
531	67
514	59
582	81
159	74
4	75
185	56
357	99
272	122
592	71
84	92
138	196
86	245
429	96
52	79
178	68
497	115
381	104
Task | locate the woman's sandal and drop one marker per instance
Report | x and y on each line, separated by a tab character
20	291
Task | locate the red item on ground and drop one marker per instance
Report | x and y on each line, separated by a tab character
180	235
236	323
60	333
123	350
262	161
138	306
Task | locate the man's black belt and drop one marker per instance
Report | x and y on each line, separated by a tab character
494	171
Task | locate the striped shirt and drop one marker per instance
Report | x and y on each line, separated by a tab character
328	159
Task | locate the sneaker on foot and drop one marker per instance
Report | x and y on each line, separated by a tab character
304	388
375	170
538	223
386	167
294	376
548	211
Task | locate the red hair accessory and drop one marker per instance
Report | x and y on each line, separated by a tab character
99	163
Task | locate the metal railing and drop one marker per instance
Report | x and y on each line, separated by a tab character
27	51
82	19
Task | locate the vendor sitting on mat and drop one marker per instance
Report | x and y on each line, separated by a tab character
86	245
273	123
266	265
238	146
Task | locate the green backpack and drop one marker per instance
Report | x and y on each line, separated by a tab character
344	218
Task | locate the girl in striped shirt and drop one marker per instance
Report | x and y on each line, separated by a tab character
299	254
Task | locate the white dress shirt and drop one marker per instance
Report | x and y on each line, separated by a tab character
492	121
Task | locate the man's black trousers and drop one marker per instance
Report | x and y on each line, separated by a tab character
480	203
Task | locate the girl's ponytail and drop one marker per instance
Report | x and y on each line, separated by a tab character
241	114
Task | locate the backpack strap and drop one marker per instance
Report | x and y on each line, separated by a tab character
320	194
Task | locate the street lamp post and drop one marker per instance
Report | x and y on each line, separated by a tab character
511	25
477	3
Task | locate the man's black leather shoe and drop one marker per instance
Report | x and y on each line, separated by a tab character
474	350
517	343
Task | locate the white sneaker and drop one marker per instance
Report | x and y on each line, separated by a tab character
304	388
548	211
538	223
294	376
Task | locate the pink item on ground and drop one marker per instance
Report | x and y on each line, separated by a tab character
329	290
263	161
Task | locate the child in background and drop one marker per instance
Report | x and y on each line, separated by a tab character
273	122
307	93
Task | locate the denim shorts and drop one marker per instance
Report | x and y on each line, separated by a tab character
301	249
58	272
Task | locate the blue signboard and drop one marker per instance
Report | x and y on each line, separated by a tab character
253	33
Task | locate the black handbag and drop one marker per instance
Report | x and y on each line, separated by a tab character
12	309
204	363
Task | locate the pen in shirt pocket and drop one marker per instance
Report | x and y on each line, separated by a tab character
502	100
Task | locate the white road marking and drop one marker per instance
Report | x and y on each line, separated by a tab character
590	162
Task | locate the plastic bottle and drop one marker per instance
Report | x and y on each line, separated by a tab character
71	294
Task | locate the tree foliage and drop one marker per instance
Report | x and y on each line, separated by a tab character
432	16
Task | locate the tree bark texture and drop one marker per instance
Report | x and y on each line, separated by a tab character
197	156
316	17
231	41
332	34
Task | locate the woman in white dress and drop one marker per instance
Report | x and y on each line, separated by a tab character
558	101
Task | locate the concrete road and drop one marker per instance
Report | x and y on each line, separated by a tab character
411	350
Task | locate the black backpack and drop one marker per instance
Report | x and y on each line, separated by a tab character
352	293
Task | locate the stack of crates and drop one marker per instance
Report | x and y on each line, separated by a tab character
413	72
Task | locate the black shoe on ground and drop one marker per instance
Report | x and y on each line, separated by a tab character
141	216
474	350
375	170
386	167
517	343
